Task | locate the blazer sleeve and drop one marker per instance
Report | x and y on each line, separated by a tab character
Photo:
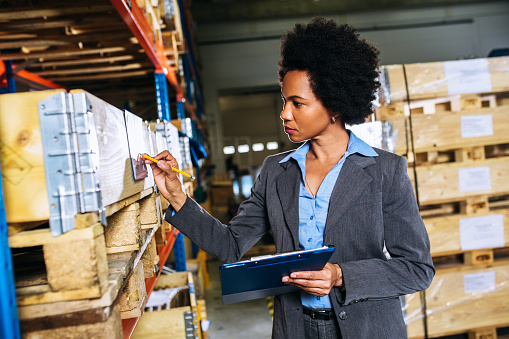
410	268
226	243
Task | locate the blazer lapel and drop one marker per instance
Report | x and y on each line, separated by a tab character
351	182
288	186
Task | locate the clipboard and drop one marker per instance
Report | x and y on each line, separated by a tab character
261	276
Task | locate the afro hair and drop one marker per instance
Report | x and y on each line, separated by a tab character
342	68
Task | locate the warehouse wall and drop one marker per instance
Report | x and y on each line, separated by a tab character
244	54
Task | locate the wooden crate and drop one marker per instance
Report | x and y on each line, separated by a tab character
475	223
461	299
22	156
23	162
431	80
459	180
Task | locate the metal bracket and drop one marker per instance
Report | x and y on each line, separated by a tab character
70	160
190	327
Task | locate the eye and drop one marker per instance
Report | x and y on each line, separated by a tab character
297	104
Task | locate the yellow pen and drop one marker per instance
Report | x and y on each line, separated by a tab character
173	168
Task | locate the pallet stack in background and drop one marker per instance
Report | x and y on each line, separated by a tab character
451	121
88	240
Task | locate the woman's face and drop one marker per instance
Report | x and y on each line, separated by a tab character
303	115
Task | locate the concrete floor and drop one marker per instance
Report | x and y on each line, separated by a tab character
245	320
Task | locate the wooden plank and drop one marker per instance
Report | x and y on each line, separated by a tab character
115	280
42	294
454	306
167	324
109	329
44	237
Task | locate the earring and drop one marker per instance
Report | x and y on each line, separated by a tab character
333	119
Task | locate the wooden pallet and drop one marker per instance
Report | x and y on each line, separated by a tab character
447	123
474	223
454	104
74	266
50	318
124	297
461	298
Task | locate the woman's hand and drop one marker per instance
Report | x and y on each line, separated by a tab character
167	180
317	283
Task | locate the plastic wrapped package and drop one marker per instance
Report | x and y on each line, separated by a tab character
461	299
440	79
377	134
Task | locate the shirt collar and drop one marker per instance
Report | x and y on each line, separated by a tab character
355	145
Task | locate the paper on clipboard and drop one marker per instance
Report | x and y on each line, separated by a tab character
262	276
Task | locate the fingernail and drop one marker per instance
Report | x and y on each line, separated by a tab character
293	275
285	279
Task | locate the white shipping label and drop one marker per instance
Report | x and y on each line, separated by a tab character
476	126
479	282
467	76
482	232
474	179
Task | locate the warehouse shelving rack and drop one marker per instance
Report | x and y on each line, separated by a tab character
164	73
8	311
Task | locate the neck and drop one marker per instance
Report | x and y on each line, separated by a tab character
329	148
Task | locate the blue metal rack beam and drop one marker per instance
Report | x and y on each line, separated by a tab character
11	84
163	102
9	320
179	253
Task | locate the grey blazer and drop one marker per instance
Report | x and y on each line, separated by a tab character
372	203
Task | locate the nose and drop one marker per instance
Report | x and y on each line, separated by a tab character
286	113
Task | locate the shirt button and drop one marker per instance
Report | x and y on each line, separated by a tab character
311	217
310	239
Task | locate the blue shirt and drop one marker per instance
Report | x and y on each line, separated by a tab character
313	211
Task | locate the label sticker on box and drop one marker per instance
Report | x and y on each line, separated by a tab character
479	282
473	126
482	232
467	76
474	179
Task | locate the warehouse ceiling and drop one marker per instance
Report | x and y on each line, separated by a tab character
81	44
213	11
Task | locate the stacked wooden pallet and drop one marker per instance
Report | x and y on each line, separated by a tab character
452	127
82	282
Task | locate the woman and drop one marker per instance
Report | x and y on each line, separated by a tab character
334	189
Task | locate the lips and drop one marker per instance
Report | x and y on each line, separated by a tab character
289	130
